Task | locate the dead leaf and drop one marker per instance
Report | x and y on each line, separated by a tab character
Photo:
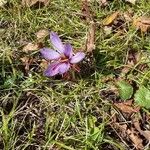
90	42
126	107
44	64
42	34
146	133
31	47
122	128
30	3
137	141
110	19
128	16
129	102
26	61
142	23
131	1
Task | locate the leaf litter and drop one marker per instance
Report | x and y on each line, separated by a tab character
124	115
145	133
127	107
110	19
126	122
128	129
41	34
117	22
142	23
31	47
26	61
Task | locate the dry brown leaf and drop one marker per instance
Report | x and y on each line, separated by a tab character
44	64
135	139
128	16
126	108
42	34
110	19
31	47
26	61
131	1
122	128
30	3
145	133
129	102
142	23
90	42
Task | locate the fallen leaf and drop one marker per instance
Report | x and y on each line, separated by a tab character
131	1
137	141
44	64
128	16
142	23
42	34
126	108
90	42
30	3
145	133
129	102
122	128
31	47
26	61
110	19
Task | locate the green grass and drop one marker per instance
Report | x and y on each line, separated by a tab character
37	112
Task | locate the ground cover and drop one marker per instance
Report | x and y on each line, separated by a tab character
105	105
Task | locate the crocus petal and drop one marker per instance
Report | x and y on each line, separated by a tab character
77	57
52	69
56	68
56	42
68	50
49	54
63	67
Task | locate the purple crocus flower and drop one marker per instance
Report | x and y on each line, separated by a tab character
62	57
